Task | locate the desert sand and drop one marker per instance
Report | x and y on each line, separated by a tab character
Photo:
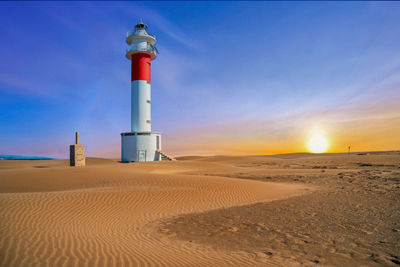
294	209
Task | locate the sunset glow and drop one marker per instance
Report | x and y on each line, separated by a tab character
317	143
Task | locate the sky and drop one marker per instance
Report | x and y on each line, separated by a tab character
231	78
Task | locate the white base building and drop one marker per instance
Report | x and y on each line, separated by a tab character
140	146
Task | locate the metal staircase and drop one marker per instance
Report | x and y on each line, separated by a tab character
165	155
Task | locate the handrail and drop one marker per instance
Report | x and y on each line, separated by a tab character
133	32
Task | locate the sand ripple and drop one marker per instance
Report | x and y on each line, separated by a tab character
106	215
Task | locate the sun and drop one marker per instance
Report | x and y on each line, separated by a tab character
317	143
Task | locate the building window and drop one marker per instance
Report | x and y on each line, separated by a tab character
148	63
148	101
148	121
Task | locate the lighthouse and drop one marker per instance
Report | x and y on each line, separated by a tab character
141	144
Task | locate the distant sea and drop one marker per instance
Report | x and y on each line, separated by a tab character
16	157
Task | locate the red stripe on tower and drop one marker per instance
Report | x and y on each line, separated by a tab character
141	67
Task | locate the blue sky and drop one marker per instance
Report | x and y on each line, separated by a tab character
229	75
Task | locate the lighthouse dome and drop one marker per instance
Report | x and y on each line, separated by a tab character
140	32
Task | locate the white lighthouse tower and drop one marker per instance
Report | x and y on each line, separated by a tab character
140	144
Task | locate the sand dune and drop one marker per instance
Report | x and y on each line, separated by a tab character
108	213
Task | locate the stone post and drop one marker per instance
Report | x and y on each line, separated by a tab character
77	153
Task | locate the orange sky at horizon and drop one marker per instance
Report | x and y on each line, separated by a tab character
371	128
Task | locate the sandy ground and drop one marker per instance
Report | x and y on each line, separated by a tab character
109	214
353	219
283	210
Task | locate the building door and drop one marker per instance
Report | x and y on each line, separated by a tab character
158	142
141	155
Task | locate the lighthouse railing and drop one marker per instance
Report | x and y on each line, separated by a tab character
141	33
